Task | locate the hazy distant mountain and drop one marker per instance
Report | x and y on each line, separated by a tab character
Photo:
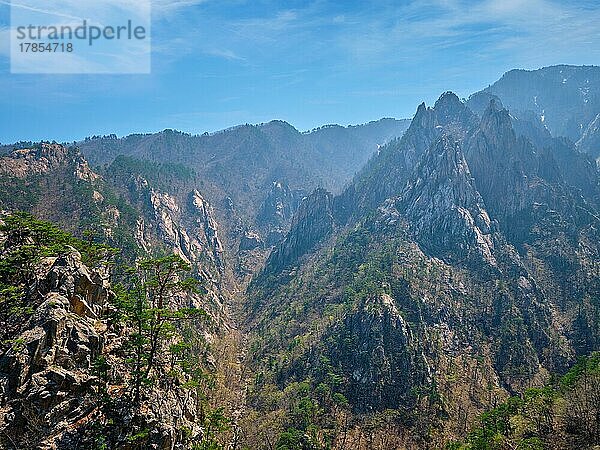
238	166
249	156
565	98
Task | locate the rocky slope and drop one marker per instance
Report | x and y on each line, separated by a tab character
46	373
141	208
64	373
590	140
461	252
385	174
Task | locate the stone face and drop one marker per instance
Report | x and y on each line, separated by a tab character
313	222
51	382
444	209
87	291
207	224
44	159
47	374
277	210
590	140
376	351
189	229
250	241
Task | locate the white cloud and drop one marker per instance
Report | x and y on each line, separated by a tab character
534	30
170	7
224	53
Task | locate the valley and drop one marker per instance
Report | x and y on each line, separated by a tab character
431	282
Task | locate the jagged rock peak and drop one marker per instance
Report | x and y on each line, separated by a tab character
448	112
479	101
312	222
447	99
424	117
51	152
450	109
496	124
445	211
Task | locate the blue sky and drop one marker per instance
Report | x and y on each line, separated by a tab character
218	63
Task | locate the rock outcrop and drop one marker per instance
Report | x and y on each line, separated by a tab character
276	212
312	223
47	381
44	159
385	175
66	367
376	351
590	140
251	241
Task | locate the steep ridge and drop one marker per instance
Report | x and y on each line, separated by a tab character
386	173
238	166
590	140
463	250
313	222
518	182
444	209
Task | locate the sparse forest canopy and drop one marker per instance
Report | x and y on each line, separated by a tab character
564	414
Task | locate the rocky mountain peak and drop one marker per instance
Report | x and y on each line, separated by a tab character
448	115
448	107
452	113
424	118
443	207
447	99
496	126
387	173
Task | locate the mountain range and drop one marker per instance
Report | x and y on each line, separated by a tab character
377	286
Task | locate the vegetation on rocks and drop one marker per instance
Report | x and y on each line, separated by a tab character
134	355
563	414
